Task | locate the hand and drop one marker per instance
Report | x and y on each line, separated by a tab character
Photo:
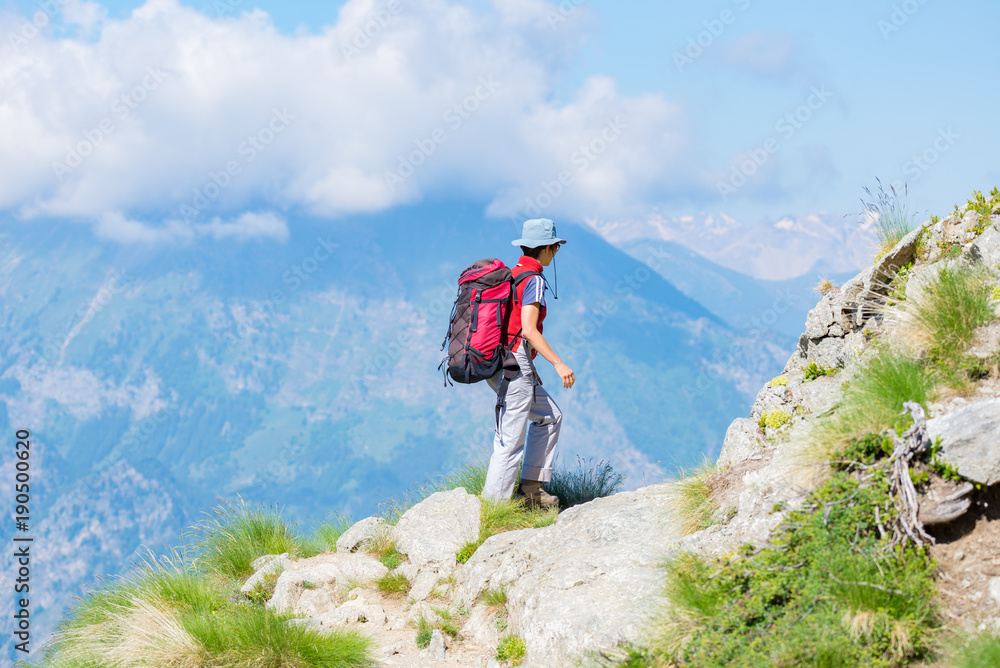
566	374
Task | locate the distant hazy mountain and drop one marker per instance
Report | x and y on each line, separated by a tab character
155	380
744	303
773	250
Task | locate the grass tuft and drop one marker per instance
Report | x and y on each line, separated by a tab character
978	651
943	319
167	614
692	498
874	400
887	213
495	597
824	286
393	583
236	533
326	534
586	482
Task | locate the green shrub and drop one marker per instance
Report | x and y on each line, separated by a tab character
467	550
512	648
586	482
774	419
234	534
825	591
393	582
812	371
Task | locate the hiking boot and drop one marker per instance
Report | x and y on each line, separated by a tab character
536	496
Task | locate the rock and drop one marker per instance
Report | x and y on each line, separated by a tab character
819	319
423	585
353	612
987	341
818	395
260	562
858	295
435	651
409	570
944	502
307	622
589	581
316	601
342	571
986	248
994	588
970	440
952	228
481	626
264	566
431	532
740	443
355	537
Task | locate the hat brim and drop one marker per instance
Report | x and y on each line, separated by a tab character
535	243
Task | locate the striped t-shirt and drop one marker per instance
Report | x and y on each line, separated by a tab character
534	291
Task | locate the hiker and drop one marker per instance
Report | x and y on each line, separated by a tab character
529	419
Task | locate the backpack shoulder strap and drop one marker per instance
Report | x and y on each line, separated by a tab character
521	278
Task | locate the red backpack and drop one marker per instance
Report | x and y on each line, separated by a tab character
477	338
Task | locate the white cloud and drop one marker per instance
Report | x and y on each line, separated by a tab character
175	118
248	226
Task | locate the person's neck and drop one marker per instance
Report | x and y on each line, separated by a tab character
531	263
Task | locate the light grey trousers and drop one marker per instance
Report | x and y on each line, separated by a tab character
529	421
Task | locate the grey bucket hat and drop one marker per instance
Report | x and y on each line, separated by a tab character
538	232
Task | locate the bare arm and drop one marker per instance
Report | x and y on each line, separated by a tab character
529	330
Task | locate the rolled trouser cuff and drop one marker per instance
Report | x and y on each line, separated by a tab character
535	473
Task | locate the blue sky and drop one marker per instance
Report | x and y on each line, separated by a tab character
887	81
